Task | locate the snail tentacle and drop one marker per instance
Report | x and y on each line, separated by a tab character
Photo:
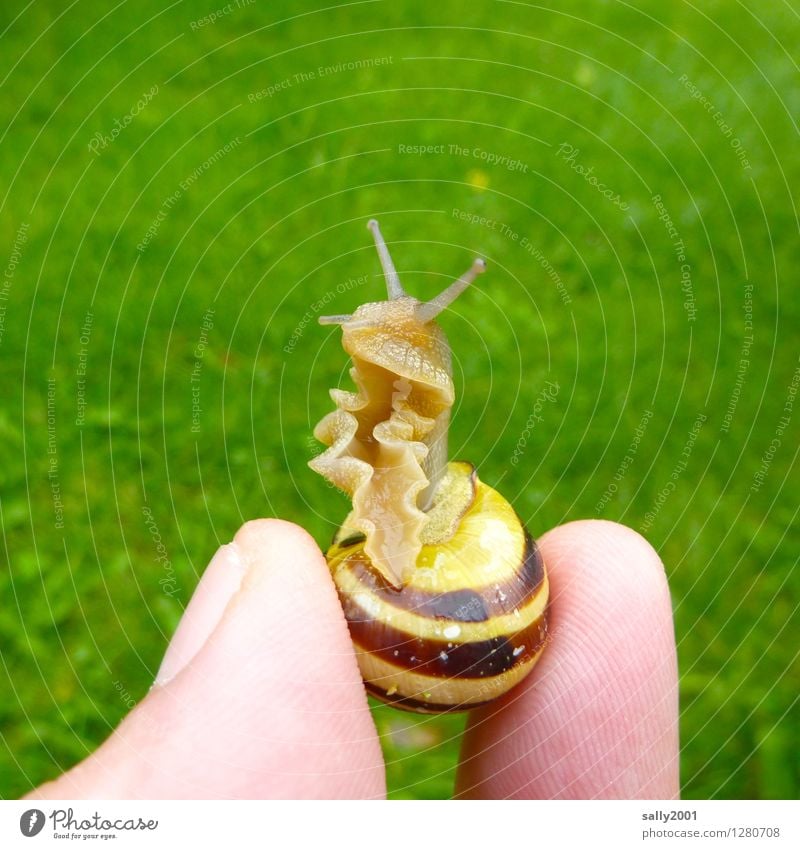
335	319
431	309
393	285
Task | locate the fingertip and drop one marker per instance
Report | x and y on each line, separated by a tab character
598	716
577	548
263	697
609	535
256	535
262	549
618	533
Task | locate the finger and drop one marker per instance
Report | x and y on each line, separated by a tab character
260	696
598	716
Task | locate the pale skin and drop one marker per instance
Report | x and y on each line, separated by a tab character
259	695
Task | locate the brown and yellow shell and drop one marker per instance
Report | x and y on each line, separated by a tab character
444	590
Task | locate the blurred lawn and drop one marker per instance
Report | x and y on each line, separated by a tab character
582	290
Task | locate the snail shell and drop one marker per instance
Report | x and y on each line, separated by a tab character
444	590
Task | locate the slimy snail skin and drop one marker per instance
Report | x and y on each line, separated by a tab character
444	590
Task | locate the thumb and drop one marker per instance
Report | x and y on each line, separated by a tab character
258	696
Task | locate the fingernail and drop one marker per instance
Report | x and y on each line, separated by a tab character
220	582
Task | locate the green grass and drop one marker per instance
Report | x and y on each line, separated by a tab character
278	221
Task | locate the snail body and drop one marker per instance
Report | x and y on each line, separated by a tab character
444	590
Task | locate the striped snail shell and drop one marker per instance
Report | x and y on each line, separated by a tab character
444	591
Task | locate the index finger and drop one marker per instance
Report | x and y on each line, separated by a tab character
598	717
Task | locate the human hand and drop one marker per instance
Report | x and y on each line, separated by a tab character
259	694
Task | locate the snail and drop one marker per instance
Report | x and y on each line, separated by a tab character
444	590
